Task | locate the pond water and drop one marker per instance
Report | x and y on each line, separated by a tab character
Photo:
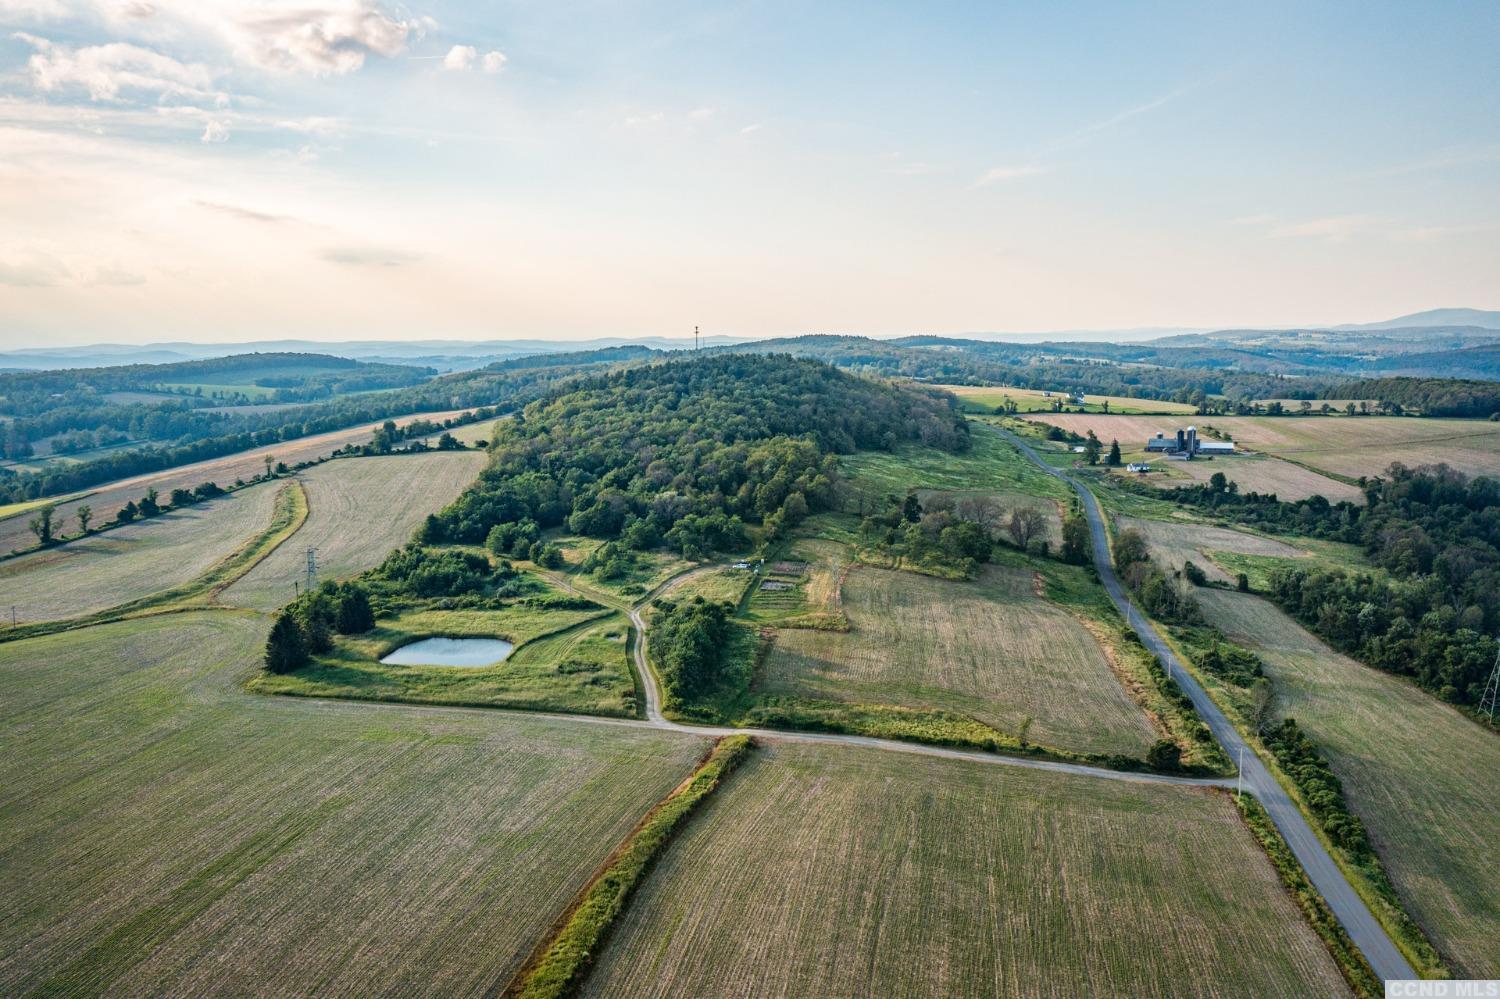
451	652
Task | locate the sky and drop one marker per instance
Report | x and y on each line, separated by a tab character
225	170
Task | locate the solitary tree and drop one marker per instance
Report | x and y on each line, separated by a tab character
1091	449
1026	522
1114	454
41	524
85	514
270	463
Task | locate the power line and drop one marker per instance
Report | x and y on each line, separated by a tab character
1491	699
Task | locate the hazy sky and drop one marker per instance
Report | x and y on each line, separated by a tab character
238	169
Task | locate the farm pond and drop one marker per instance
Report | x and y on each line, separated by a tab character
476	652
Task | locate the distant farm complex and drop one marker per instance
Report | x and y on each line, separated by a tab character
1187	445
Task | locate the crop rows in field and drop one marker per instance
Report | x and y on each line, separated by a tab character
822	870
1174	543
1422	777
106	500
359	510
164	833
985	399
992	650
134	561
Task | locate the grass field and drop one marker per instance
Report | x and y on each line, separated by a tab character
565	660
474	434
1253	473
360	509
991	465
991	650
162	832
843	871
1422	776
1174	543
130	562
107	499
984	399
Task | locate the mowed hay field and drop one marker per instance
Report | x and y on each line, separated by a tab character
1252	473
984	399
107	499
1173	543
359	509
990	649
127	563
1366	445
163	833
1424	778
840	871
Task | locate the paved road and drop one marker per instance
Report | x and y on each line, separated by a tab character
1368	935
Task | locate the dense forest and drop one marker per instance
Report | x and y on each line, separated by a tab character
977	362
1431	396
504	385
1434	611
686	452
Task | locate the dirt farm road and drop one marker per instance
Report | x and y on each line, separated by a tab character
1366	932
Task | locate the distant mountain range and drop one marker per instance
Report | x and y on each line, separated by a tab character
1483	318
1435	329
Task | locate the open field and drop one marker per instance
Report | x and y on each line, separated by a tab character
991	650
474	434
992	465
130	562
1253	473
565	660
163	833
1173	543
652	569
984	399
107	499
1422	777
841	871
359	510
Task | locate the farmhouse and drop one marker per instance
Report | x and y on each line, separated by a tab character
1187	445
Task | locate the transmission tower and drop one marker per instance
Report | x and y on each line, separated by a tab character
1490	702
312	568
697	345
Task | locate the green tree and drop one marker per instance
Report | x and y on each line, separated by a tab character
1114	454
149	507
1091	448
1164	754
127	513
286	646
42	524
353	615
85	514
1075	540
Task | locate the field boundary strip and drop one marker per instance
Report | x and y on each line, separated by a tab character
564	956
200	593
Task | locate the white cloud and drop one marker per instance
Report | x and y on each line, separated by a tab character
997	175
494	61
752	129
460	57
1333	228
31	10
654	118
215	131
367	256
31	269
700	114
115	275
108	71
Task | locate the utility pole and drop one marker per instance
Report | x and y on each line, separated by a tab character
312	568
697	345
1240	791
